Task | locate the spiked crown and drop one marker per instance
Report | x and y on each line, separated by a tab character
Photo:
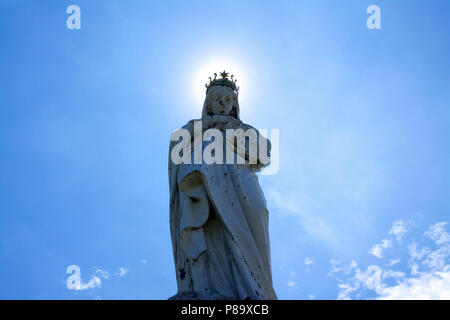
223	81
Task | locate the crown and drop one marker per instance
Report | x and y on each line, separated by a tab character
224	81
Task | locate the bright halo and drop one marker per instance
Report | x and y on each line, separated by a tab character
205	70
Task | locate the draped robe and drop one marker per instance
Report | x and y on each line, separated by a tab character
219	231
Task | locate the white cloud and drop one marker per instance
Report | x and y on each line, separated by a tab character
398	229
436	260
393	262
437	233
311	296
377	250
415	253
393	274
102	273
429	276
122	272
291	283
338	267
94	282
433	285
308	263
346	290
74	282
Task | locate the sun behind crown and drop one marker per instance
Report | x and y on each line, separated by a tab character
224	81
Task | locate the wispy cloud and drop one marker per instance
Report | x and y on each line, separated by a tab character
428	278
377	250
309	261
94	282
427	285
290	205
291	284
398	229
102	273
75	282
438	234
122	272
338	267
393	262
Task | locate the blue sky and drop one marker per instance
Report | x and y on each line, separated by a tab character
358	208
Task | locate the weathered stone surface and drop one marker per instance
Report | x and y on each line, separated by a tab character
219	217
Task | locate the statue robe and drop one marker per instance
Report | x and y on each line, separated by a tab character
219	232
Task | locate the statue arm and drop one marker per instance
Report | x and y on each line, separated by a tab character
263	143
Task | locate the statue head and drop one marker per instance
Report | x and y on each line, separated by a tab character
221	97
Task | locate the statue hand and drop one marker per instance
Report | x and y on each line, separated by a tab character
223	122
233	123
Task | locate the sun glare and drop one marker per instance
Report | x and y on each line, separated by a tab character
207	69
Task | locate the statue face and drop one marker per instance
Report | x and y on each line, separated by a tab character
220	100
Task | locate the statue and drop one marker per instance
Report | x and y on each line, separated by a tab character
218	213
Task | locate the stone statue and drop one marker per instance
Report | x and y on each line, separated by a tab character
218	213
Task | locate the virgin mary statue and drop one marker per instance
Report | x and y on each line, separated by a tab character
218	213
